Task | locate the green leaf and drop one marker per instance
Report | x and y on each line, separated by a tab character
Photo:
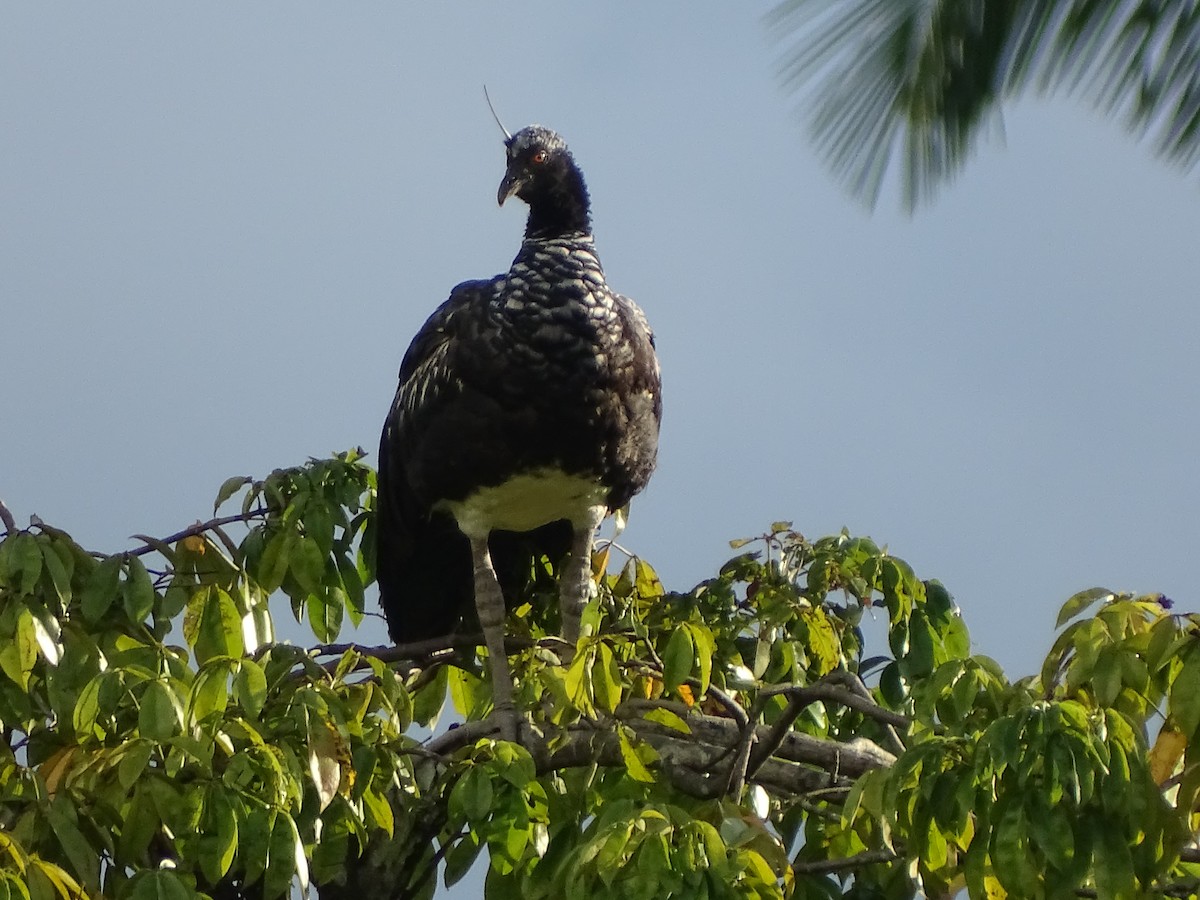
461	857
59	569
1077	603
380	811
824	647
646	580
665	717
467	692
352	583
210	692
257	829
1010	852
139	591
678	658
101	589
1113	862
272	567
633	763
429	699
473	795
920	659
134	761
219	841
159	884
606	679
318	525
18	657
250	687
285	858
229	487
28	557
1050	831
88	707
307	564
140	822
706	648
578	682
1184	700
161	713
325	614
83	857
1106	676
217	629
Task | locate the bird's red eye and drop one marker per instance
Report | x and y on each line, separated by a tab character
539	157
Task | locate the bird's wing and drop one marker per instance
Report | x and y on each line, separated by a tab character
635	319
422	560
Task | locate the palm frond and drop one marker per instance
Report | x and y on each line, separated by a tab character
921	78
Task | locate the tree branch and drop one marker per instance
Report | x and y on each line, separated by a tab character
10	524
800	696
691	762
825	866
426	649
197	529
741	760
854	682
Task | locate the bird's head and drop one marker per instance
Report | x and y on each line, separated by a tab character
542	172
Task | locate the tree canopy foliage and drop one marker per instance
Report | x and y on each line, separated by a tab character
741	739
921	78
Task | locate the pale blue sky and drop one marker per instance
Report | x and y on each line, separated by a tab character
221	224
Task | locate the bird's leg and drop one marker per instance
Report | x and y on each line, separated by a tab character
489	602
576	586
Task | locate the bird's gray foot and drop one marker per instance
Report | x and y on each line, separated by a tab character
576	587
489	601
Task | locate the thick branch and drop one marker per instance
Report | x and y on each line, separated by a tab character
10	524
692	762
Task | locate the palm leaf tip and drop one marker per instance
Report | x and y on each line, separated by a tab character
920	78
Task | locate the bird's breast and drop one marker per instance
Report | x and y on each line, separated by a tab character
527	501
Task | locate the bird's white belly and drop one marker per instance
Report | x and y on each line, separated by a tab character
528	501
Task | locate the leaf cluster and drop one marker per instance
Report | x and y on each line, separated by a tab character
741	739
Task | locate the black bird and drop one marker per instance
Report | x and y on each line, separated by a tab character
528	410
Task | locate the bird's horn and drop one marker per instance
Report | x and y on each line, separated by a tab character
507	136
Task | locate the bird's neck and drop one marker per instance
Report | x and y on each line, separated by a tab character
570	253
560	210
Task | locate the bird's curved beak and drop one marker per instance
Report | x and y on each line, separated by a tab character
509	185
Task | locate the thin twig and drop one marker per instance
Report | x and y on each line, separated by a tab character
827	690
855	683
741	760
198	528
226	540
816	809
825	866
427	649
